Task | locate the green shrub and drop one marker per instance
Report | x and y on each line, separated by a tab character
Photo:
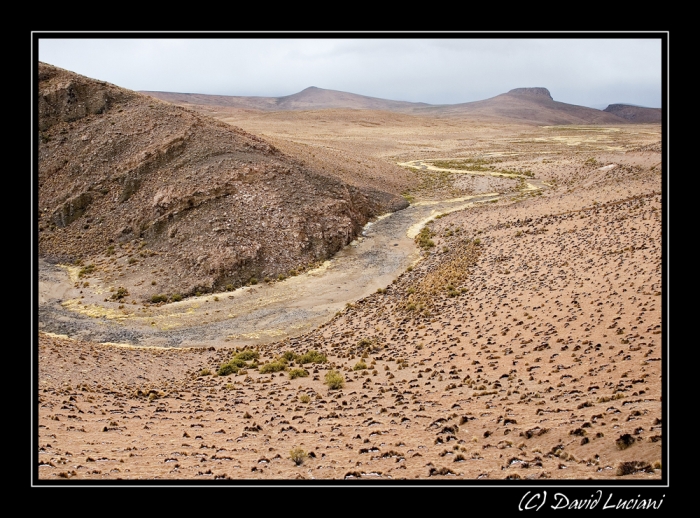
304	398
275	366
238	362
423	238
298	373
248	354
86	270
359	366
176	297
120	293
334	380
226	369
298	456
155	299
311	357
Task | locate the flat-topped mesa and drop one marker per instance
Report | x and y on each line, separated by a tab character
535	91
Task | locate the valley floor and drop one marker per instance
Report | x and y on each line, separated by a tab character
526	344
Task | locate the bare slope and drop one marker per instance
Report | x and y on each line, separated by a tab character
167	201
637	114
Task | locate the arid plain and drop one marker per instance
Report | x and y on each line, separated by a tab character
510	330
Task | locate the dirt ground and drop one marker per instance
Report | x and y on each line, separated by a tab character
524	343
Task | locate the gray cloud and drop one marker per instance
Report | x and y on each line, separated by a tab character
584	71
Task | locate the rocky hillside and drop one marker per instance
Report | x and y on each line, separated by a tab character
165	200
638	114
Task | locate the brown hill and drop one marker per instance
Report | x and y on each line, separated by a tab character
638	114
164	200
311	98
521	105
530	106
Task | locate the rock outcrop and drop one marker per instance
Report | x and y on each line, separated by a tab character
531	92
153	190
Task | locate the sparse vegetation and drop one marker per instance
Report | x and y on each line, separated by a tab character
275	366
298	373
120	293
311	357
298	456
86	270
334	380
423	239
238	363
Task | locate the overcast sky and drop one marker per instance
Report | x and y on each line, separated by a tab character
587	71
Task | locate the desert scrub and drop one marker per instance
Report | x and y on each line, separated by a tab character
369	345
334	380
423	238
359	366
120	293
275	366
298	456
238	362
86	270
155	299
467	164
247	355
176	297
304	398
298	373
311	357
231	367
444	280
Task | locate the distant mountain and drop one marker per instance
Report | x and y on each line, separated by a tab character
533	105
634	113
529	105
311	98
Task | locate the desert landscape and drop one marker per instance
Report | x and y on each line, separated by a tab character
336	287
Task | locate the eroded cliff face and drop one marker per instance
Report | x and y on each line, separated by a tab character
148	190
